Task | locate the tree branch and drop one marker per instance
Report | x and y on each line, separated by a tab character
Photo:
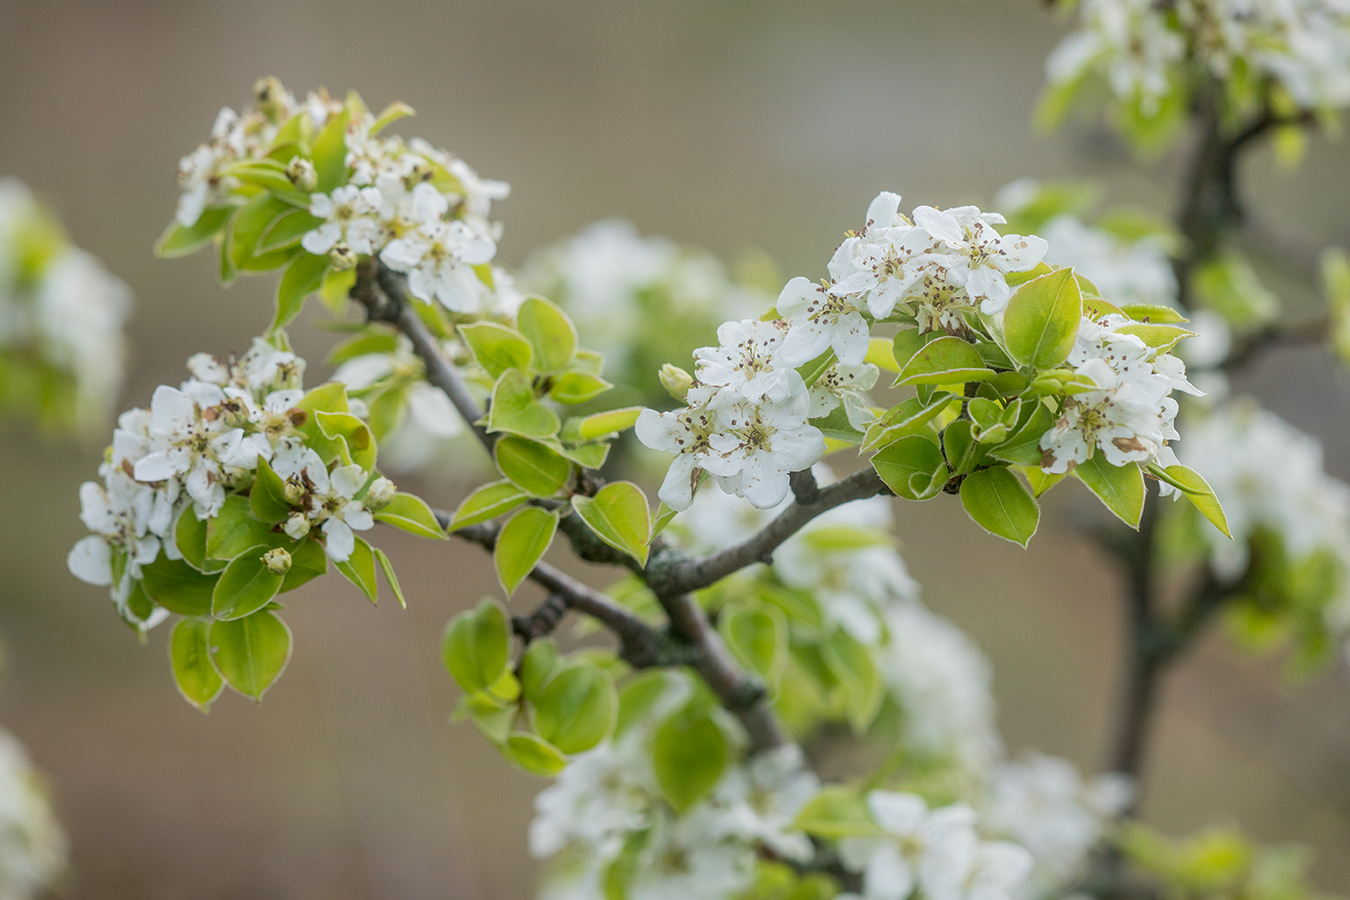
681	575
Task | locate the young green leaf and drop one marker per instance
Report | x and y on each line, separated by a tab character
196	677
574	387
477	646
387	567
235	529
178	240
359	568
1120	488
178	587
758	638
852	664
410	513
947	360
551	334
308	561
1000	504
251	653
534	754
576	709
534	467
688	757
302	277
522	543
487	502
602	424
246	585
1201	495
356	434
911	466
330	153
1042	320
516	410
496	347
267	499
618	513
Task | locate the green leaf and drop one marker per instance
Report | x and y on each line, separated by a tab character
1024	446
574	387
549	331
476	647
688	757
906	418
487	502
496	347
251	653
387	567
906	343
758	638
1201	495
912	467
252	220
947	360
267	498
354	432
864	689
390	114
178	587
197	679
534	467
835	812
1120	488
245	586
576	709
1000	504
359	568
637	697
664	515
604	423
537	665
287	230
330	153
308	561
618	513
303	277
190	535
521	544
410	513
1042	320
1041	480
235	529
958	442
516	410
178	240
534	754
813	370
1160	337
1154	313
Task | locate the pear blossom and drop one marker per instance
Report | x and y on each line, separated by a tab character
758	446
749	362
846	385
979	258
33	848
687	433
328	498
438	255
821	321
352	218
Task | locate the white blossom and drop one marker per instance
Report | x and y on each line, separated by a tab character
438	255
32	845
352	217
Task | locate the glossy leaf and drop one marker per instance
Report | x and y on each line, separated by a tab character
910	466
577	387
534	754
487	502
359	568
947	360
522	543
550	332
1042	320
267	498
534	467
193	672
476	647
410	513
1000	504
605	423
618	513
302	277
178	240
1120	488
496	347
387	567
246	586
178	587
1201	496
576	709
688	757
516	410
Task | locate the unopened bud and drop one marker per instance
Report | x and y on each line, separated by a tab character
676	381
343	257
278	561
269	94
293	490
381	492
302	174
297	526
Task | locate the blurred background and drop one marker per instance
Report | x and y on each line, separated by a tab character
729	124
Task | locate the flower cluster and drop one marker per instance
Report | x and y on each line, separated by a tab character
32	846
1139	46
197	445
937	852
607	804
1043	803
422	211
61	318
746	423
1124	409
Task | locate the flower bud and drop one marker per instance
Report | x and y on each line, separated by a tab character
293	490
278	561
297	526
343	257
676	381
269	94
302	174
381	492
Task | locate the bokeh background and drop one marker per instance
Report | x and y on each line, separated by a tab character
726	123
